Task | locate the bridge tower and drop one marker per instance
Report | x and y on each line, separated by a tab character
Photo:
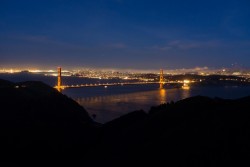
161	79
59	79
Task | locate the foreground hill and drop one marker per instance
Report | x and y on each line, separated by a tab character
41	127
197	131
38	124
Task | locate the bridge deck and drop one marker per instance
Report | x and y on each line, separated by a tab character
113	84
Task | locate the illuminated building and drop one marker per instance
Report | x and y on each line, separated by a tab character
186	84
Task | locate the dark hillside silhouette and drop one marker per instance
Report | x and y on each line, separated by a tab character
42	127
39	124
197	131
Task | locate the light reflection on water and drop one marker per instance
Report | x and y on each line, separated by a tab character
109	107
108	104
163	96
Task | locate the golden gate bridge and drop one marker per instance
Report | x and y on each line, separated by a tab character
161	82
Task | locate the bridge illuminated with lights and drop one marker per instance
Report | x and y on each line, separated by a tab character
161	83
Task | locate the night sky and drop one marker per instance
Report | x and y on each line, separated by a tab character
129	34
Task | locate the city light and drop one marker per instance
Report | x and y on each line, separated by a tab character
186	84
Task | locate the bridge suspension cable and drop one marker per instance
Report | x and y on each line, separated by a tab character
60	87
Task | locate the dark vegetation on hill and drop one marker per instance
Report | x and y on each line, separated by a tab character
41	127
38	124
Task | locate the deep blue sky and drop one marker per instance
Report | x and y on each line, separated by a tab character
132	34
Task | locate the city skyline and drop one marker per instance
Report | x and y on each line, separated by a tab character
124	34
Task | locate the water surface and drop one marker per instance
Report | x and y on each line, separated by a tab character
110	103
